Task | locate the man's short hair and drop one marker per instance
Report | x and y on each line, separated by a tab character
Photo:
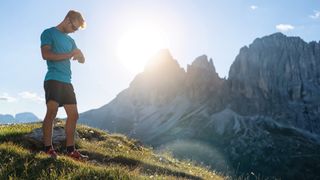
76	16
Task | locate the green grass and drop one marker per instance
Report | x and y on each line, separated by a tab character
111	156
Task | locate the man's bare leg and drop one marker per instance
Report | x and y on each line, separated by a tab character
72	113
52	109
72	117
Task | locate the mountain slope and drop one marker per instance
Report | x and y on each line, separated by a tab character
6	118
111	156
263	119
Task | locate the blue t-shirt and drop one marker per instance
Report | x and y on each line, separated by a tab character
60	43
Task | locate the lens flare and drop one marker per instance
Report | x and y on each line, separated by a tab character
138	44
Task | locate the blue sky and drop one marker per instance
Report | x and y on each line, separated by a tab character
193	28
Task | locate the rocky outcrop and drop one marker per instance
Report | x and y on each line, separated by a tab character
58	137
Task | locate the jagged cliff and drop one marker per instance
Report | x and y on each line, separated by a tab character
262	119
278	76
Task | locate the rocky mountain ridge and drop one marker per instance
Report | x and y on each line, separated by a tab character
24	117
265	113
278	76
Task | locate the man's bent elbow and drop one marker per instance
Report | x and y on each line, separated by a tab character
44	58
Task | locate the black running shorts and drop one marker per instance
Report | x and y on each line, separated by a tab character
62	93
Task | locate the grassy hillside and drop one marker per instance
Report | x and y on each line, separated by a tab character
111	156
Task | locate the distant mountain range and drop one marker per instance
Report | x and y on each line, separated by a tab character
25	117
263	120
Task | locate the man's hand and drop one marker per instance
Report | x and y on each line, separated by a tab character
77	55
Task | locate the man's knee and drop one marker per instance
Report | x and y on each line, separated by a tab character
51	113
72	112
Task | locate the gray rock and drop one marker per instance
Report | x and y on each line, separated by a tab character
58	136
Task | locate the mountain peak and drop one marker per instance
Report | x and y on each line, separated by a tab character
275	40
162	53
162	58
161	80
277	34
26	117
202	62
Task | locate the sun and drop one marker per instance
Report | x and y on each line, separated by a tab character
138	44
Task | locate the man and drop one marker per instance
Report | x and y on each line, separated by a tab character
58	48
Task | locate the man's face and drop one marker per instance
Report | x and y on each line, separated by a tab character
73	25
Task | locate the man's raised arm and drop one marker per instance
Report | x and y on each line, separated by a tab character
47	54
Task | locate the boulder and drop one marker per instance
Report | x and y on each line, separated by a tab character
58	137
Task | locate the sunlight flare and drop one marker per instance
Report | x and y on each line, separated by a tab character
138	44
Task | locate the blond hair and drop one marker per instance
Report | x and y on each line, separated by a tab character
75	15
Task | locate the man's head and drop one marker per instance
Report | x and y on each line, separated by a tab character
73	21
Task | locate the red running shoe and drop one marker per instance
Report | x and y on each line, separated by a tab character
77	155
52	153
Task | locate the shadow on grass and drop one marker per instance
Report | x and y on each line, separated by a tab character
133	164
24	165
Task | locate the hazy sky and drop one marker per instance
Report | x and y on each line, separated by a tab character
191	28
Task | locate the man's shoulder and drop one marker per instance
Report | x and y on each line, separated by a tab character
48	30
